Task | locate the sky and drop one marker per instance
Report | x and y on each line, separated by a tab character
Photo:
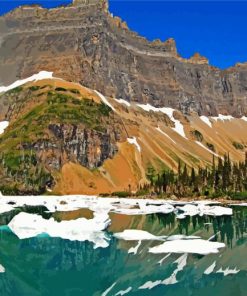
215	29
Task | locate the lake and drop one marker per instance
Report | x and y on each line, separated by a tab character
88	246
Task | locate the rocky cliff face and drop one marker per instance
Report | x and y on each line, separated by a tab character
84	43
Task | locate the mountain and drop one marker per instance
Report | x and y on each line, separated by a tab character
90	107
84	43
71	139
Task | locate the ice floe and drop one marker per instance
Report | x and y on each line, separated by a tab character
3	126
179	128
26	225
133	141
104	100
39	76
195	246
202	209
126	206
137	235
206	120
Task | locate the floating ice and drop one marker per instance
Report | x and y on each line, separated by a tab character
137	235
206	120
239	205
5	208
40	76
133	141
104	99
26	225
169	112
195	246
202	209
3	126
126	206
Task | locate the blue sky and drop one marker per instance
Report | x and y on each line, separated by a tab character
216	29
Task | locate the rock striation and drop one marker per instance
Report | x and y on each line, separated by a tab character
84	43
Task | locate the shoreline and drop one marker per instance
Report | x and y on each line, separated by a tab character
182	200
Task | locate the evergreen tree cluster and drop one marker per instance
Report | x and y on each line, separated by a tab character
224	177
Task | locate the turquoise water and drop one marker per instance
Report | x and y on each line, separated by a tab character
53	266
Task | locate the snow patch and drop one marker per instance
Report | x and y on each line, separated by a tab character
210	151
150	285
181	261
3	126
206	120
40	76
165	134
244	118
179	128
123	292
210	269
171	280
123	102
228	271
134	250
2	269
222	117
108	290
133	141
104	100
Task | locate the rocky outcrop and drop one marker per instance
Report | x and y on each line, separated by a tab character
86	147
84	43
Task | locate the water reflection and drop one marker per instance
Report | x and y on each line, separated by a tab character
53	266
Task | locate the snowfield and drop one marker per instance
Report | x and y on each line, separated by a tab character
40	76
3	126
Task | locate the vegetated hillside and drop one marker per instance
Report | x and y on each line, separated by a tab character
70	139
84	43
